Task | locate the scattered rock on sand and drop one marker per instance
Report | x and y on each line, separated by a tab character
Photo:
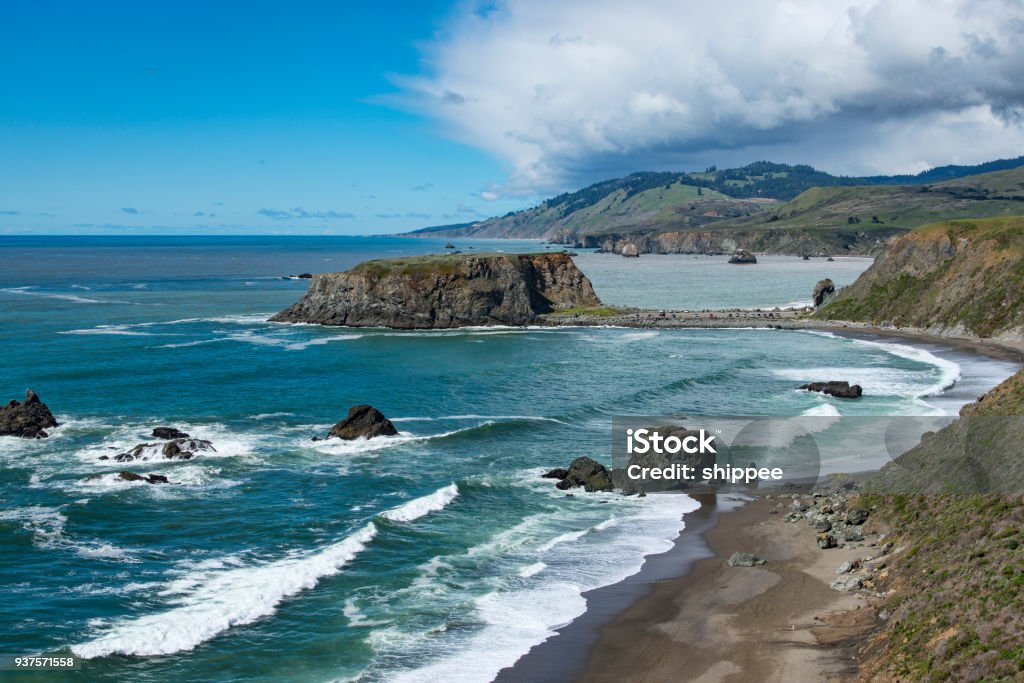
588	473
847	584
745	560
363	421
28	419
835	388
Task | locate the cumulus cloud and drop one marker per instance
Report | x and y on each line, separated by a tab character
571	91
298	213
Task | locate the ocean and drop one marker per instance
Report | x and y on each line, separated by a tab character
439	554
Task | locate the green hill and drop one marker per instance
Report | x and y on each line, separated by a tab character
758	196
955	277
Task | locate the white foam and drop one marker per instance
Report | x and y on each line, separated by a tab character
62	297
116	330
420	507
532	569
535	418
47	526
637	336
363	446
220	599
823	410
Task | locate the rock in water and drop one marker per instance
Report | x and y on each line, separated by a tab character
28	419
837	389
630	250
824	291
363	421
557	473
178	449
449	245
743	256
168	433
444	291
588	473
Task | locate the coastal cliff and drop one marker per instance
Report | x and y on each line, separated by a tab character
811	242
959	278
443	291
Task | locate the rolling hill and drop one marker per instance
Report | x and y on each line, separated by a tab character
760	204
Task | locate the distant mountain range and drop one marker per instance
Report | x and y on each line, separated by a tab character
759	196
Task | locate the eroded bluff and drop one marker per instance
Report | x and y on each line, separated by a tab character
442	291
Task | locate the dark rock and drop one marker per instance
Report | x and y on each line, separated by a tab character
806	257
557	473
824	292
588	473
742	256
363	421
856	516
826	541
445	291
28	419
132	476
166	433
449	245
745	560
819	523
305	276
834	388
830	259
157	479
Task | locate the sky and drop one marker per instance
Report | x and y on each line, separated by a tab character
340	117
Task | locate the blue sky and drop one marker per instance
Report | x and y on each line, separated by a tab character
359	118
227	116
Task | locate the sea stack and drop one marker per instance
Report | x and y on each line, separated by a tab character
824	292
444	291
28	419
364	422
743	256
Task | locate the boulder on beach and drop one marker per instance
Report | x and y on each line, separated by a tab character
834	388
588	473
177	449
630	250
743	256
168	433
824	292
28	419
363	421
745	560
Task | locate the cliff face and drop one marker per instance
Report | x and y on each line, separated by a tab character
959	277
768	241
444	291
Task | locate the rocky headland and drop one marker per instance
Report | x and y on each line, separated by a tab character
445	291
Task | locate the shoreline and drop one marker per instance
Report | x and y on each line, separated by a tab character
649	627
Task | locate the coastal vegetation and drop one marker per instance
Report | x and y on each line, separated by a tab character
954	277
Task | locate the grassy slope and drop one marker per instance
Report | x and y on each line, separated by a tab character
957	590
427	263
637	204
962	276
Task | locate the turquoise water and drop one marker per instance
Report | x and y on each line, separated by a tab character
282	559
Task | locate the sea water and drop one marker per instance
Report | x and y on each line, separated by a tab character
280	558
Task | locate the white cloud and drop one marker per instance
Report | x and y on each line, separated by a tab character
570	91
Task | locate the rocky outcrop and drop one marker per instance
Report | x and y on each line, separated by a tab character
959	278
588	473
132	476
630	250
177	449
28	419
742	256
823	292
744	560
168	433
833	388
363	422
444	291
